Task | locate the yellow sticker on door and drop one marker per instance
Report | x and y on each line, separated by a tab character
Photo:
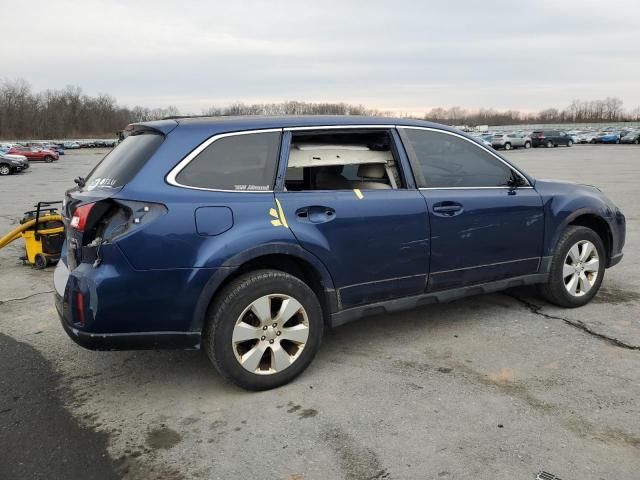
278	215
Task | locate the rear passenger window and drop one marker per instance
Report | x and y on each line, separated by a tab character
338	160
442	160
237	162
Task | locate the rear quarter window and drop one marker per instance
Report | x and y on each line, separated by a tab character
237	162
124	162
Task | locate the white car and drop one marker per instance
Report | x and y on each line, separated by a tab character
510	140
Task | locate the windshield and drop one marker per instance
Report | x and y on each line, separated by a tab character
124	161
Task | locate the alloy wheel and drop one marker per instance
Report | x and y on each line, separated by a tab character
270	334
4	170
581	267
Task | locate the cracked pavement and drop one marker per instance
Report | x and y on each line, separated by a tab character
498	386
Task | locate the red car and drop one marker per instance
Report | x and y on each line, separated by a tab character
34	153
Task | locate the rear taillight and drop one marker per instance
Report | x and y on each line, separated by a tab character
80	216
80	308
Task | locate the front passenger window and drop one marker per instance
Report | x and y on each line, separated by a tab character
442	160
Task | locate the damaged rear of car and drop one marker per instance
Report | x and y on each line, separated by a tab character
98	215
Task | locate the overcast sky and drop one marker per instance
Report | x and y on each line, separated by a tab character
406	56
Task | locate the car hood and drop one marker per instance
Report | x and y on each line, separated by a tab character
13	156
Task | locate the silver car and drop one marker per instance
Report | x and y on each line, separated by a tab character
510	140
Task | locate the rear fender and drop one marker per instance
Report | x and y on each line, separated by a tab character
235	262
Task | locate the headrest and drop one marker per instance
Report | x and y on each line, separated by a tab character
371	170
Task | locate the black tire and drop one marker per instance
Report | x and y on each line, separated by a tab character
227	307
507	146
592	142
549	144
40	261
555	291
48	159
570	143
527	145
5	169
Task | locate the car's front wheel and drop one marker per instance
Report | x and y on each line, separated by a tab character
48	159
569	143
264	329
527	144
5	169
549	144
577	268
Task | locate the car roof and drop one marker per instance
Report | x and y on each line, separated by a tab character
258	122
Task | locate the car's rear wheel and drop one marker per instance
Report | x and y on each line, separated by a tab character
264	329
5	169
570	143
549	144
507	146
527	144
577	268
48	159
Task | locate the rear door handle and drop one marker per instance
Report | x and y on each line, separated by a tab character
447	209
316	214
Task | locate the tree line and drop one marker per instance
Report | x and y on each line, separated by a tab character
70	113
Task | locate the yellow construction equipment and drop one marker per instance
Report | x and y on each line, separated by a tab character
43	232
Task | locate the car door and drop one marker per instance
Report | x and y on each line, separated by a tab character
516	140
483	228
374	242
562	138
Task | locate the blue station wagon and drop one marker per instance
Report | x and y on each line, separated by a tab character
250	236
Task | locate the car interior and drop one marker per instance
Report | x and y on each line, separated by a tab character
341	161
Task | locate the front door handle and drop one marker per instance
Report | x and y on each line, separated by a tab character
447	209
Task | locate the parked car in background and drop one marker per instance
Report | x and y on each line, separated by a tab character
10	163
87	144
71	145
508	141
574	134
631	137
245	236
35	153
607	137
54	147
583	137
550	138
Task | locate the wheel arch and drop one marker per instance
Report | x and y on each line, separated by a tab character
598	225
286	257
590	219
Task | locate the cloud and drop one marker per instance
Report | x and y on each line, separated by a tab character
403	55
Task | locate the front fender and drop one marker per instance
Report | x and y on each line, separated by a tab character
564	202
